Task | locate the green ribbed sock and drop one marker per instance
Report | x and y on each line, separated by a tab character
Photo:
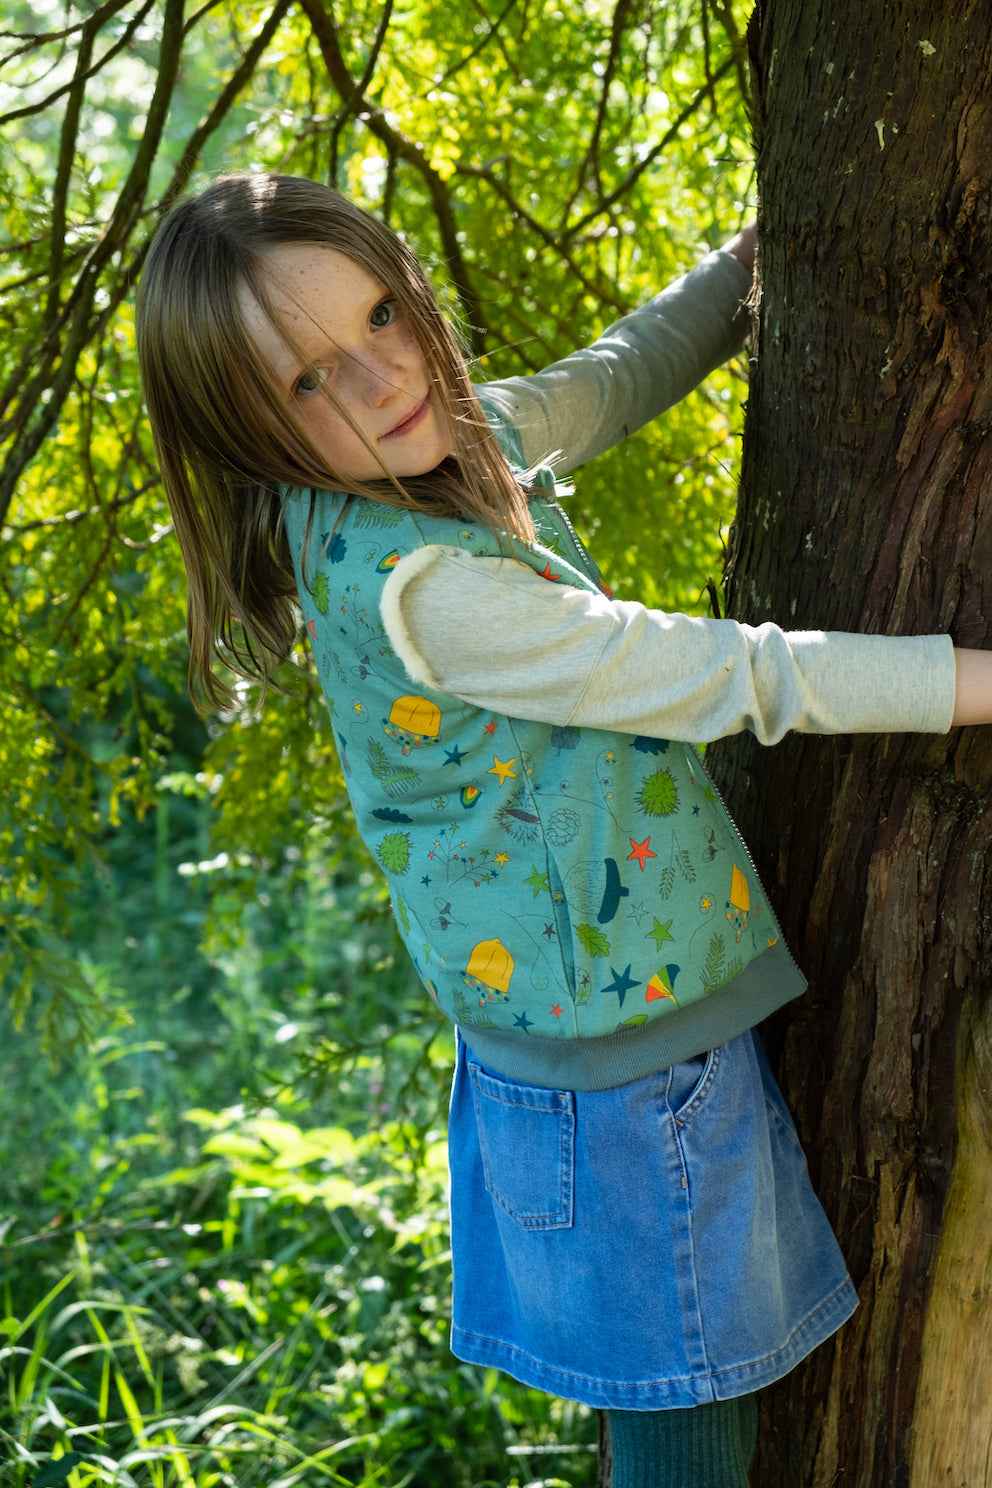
706	1446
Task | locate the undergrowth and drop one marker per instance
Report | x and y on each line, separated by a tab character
223	1231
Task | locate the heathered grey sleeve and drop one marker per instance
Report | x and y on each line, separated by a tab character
493	632
640	366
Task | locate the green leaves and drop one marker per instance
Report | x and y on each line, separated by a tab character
57	1471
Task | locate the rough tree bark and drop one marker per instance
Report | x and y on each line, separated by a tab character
866	504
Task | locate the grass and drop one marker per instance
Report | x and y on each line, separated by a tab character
223	1232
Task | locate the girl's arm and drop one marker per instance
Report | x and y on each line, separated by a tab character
641	365
494	632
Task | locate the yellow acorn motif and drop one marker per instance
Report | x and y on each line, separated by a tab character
489	970
740	894
739	903
414	721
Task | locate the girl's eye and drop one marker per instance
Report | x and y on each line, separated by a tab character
310	382
384	314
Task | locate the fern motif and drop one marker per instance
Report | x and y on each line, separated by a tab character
465	1013
376	514
394	779
717	970
680	864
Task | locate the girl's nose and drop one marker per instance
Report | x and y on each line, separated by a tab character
382	380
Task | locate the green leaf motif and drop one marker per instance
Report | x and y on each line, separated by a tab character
594	941
321	592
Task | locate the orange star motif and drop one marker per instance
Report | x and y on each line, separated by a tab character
642	850
556	1010
547	574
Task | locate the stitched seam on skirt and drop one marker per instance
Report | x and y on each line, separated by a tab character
675	1379
559	1373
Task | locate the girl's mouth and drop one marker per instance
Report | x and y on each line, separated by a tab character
412	422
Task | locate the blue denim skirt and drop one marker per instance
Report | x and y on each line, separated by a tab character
653	1246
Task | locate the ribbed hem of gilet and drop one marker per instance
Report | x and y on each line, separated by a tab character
767	982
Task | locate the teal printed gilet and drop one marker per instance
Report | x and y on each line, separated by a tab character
577	901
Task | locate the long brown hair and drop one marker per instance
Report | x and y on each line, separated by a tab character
226	443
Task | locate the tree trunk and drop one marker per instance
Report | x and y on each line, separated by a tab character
866	505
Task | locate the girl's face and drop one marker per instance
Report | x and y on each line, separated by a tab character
356	342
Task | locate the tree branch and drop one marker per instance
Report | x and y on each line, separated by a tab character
93	25
555	241
670	134
224	101
325	32
590	161
77	311
35	39
351	103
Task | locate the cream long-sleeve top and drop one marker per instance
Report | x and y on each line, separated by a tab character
492	632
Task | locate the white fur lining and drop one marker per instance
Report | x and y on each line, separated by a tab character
406	571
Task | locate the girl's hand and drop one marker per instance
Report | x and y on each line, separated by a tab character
742	247
973	700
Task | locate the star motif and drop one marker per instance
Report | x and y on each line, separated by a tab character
547	574
502	859
490	728
642	850
660	933
455	756
556	1010
548	932
621	983
426	878
503	769
538	881
523	1022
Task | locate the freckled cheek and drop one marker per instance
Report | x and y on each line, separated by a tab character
334	436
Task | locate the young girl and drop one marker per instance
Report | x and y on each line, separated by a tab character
632	1224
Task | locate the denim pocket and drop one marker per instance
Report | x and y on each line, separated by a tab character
690	1083
527	1140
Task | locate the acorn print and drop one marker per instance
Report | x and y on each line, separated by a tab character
414	721
739	903
489	970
